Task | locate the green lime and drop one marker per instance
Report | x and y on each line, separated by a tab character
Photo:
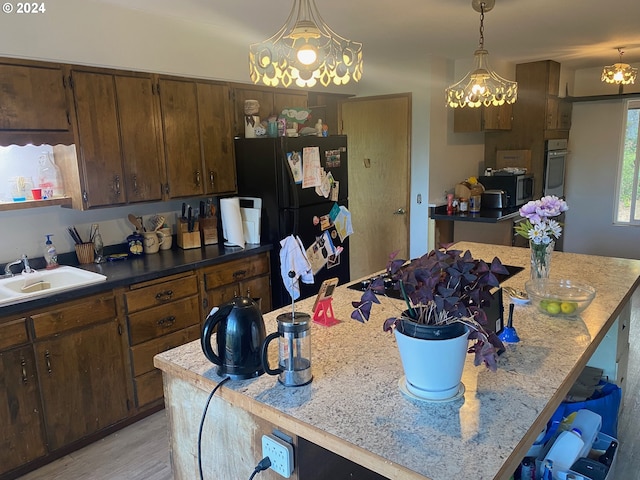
568	307
553	308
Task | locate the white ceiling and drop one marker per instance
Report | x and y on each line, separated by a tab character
577	33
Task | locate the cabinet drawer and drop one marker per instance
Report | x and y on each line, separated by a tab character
13	333
161	293
157	321
149	387
236	271
142	355
256	288
77	314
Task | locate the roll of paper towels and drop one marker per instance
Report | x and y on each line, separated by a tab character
231	222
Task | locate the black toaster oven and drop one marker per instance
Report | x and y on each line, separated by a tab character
518	187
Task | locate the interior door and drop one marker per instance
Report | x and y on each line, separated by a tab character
378	131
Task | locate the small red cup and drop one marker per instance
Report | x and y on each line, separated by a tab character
37	193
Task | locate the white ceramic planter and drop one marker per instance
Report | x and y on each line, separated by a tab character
433	368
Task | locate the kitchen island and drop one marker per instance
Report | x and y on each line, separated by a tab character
354	408
489	225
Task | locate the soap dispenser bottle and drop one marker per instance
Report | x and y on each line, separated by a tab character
50	253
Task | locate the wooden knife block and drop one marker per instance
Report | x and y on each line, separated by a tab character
187	239
209	230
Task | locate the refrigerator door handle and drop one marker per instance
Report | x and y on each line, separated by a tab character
291	222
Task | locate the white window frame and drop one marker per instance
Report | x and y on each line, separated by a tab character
629	104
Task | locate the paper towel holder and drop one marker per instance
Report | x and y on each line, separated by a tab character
251	219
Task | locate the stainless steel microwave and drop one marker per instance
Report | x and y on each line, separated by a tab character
518	187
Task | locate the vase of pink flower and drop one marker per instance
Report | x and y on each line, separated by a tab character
540	228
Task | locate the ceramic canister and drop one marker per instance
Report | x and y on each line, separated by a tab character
152	241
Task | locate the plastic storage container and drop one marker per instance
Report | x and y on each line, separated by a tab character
49	177
589	423
564	452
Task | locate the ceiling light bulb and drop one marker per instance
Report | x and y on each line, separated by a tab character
618	77
307	54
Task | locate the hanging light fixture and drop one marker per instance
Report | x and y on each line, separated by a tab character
620	73
481	86
305	51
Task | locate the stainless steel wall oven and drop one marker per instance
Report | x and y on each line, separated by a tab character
554	167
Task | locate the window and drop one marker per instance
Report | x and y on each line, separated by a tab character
628	206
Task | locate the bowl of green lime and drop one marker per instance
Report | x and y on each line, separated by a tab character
564	298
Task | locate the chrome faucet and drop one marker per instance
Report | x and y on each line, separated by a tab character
24	260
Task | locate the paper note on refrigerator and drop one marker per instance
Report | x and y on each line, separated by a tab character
320	251
342	223
295	164
311	169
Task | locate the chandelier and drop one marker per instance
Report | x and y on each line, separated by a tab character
481	86
305	51
620	73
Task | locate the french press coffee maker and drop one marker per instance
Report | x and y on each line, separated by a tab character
294	349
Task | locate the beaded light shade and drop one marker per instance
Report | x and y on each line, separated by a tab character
620	73
305	51
481	86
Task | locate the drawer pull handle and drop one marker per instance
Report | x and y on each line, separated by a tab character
239	273
167	321
164	296
23	364
47	359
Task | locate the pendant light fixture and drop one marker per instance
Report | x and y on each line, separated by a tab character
620	73
481	86
305	51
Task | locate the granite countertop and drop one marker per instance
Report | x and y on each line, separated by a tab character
141	269
354	407
486	215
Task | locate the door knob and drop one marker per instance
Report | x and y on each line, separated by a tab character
400	211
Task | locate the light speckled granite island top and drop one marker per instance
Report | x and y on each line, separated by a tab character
353	406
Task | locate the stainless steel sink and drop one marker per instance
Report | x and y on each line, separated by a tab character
42	283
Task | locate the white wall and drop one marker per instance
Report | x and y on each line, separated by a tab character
592	169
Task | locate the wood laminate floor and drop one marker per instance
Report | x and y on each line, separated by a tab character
141	451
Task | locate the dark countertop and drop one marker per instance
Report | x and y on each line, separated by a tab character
484	216
142	269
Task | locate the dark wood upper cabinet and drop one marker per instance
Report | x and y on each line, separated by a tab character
214	113
33	98
140	136
271	100
99	149
482	118
181	132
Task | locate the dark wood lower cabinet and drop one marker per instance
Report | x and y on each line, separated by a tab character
73	372
22	438
83	382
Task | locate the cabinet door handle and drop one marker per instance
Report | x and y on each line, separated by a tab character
47	359
212	178
23	364
164	296
239	274
198	179
167	321
135	184
116	184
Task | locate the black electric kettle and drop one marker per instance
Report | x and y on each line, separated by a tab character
239	336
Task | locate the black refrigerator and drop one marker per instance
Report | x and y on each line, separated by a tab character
268	168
